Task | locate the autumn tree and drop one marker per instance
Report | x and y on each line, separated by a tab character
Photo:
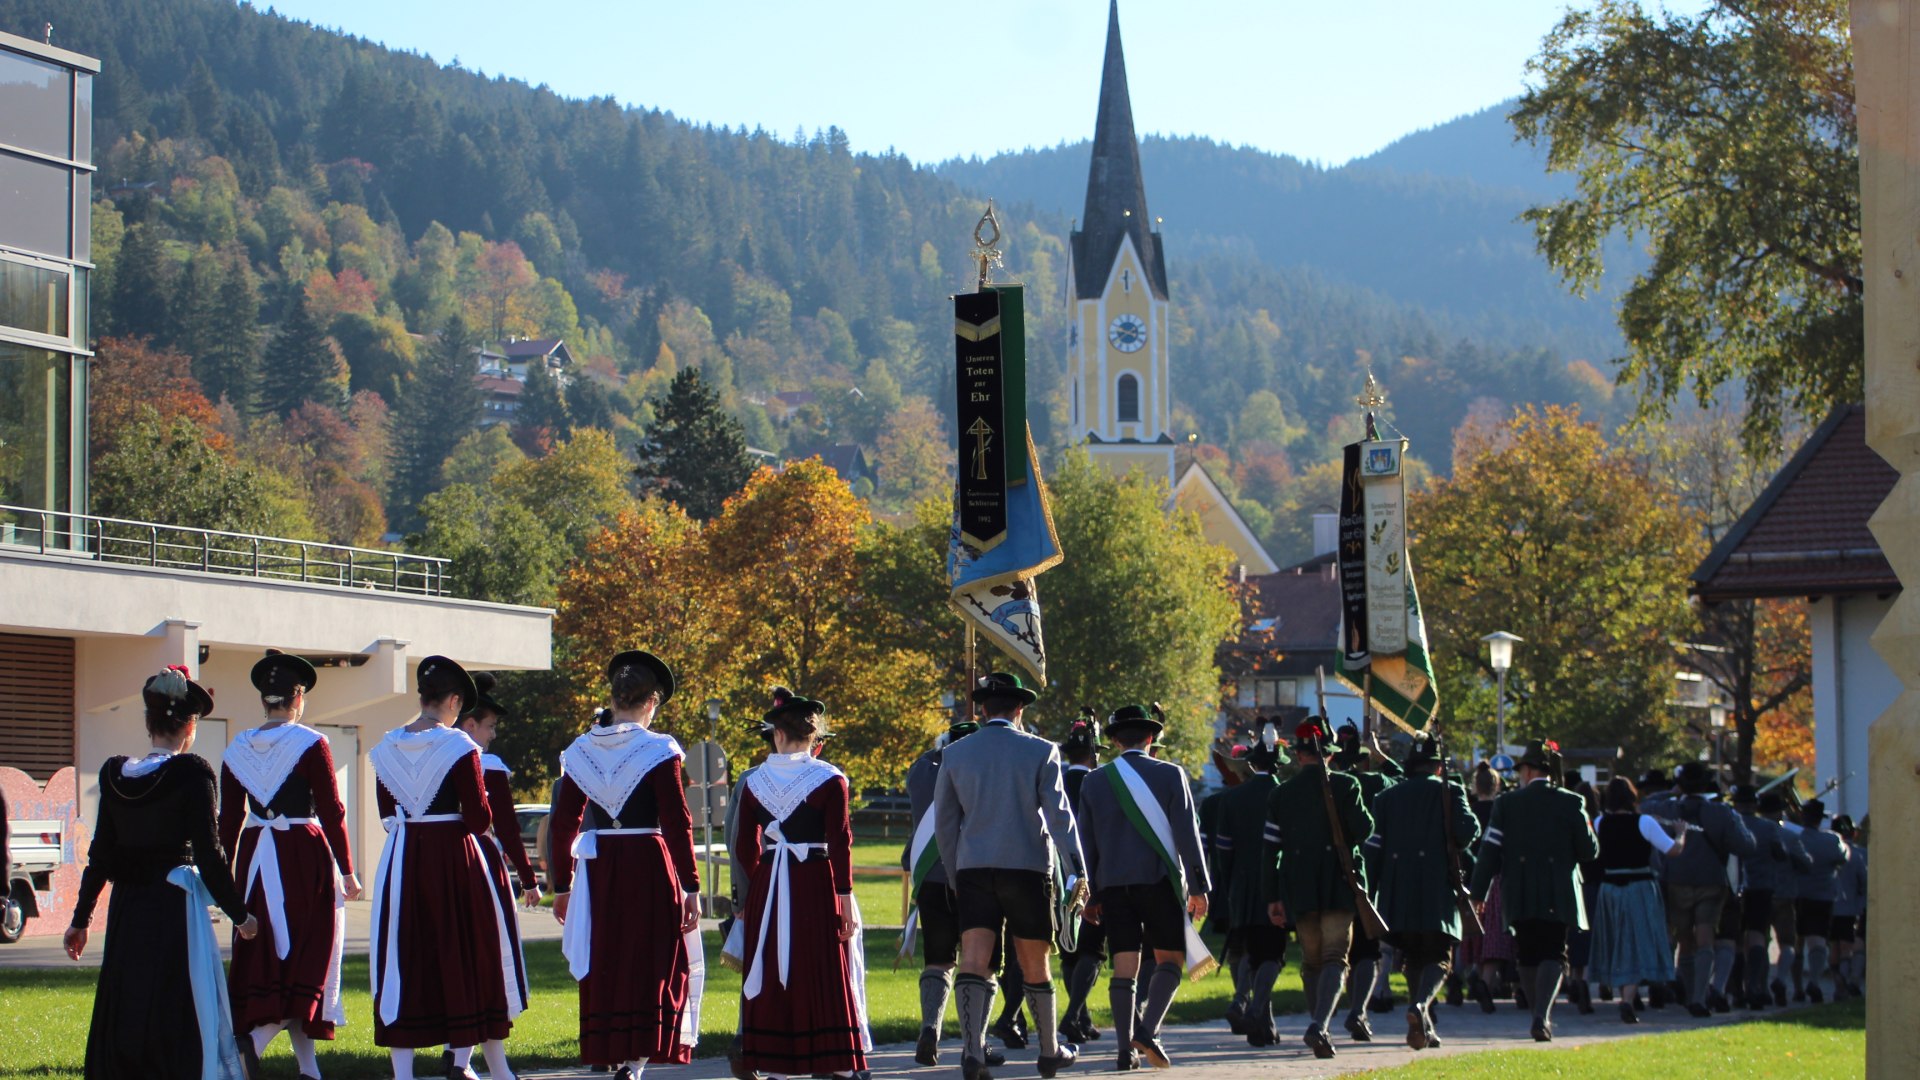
693	453
499	550
130	374
1137	610
913	457
1726	142
165	469
1554	535
577	490
541	416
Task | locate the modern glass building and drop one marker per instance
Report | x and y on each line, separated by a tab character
46	189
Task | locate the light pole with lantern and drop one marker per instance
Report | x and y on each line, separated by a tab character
1717	717
1500	657
713	739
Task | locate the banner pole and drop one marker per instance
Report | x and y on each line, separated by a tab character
1366	702
973	674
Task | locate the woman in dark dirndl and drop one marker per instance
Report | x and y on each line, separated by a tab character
504	850
281	816
804	1002
624	879
441	957
160	1011
1630	943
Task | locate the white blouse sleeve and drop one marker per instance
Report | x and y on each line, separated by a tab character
1655	834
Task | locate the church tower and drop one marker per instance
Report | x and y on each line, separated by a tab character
1117	286
1117	365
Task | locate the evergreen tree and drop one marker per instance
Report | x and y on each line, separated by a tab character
438	407
142	286
300	366
542	409
589	405
228	364
195	299
694	452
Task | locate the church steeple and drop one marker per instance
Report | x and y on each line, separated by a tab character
1116	191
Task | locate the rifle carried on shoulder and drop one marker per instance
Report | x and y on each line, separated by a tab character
1364	912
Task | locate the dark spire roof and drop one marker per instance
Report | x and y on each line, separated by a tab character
1116	192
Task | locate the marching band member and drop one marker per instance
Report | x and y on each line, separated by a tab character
625	883
161	1006
281	816
803	1003
441	955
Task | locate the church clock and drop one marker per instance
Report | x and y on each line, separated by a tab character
1128	333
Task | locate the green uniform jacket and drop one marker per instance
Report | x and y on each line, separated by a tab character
1237	849
1407	854
1299	866
1537	837
1371	785
1208	814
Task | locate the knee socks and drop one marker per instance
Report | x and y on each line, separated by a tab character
635	1068
1360	987
1260	992
1757	973
935	986
1426	983
495	1051
1817	955
1702	980
973	994
1545	986
262	1036
1046	1022
1783	967
1120	996
1080	979
462	1056
1326	998
1722	965
402	1063
1160	991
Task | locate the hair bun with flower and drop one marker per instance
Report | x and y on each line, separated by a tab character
781	695
1550	746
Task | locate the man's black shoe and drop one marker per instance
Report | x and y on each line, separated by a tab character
1321	1045
1481	993
1010	1035
1358	1027
1260	1036
1779	993
1129	1061
1236	1019
1814	993
1416	1030
1695	1009
995	1058
1153	1053
1382	1003
1541	1031
1627	1015
1049	1066
973	1070
927	1050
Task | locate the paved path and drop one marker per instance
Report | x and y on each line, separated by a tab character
1212	1053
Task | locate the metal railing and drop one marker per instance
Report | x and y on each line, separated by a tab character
175	547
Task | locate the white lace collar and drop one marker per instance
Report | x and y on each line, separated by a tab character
411	765
784	781
145	765
262	758
492	763
608	763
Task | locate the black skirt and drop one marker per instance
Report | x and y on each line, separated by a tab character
144	1025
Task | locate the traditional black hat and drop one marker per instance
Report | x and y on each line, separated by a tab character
1694	777
1310	736
1744	795
438	676
483	683
1813	808
277	674
1427	749
961	729
1135	717
786	704
1653	778
1540	754
1843	824
1083	735
642	658
1003	684
1265	751
173	695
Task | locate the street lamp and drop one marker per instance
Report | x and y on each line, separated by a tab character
948	699
713	716
1717	716
1500	656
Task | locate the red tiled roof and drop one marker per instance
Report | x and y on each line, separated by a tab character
1295	610
520	350
1807	534
497	384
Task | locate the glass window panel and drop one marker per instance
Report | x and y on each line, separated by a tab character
82	217
35	435
35	206
33	298
83	117
82	308
36	104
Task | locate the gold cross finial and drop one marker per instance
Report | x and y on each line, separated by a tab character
1372	395
986	244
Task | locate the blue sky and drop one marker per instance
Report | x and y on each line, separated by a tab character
1321	80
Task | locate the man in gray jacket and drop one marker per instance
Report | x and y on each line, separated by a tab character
1137	901
1760	875
1849	914
1000	814
1827	854
1786	896
1696	877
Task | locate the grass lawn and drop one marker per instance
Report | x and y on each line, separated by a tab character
47	1011
1827	1041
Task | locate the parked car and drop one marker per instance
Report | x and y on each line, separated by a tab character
34	853
533	833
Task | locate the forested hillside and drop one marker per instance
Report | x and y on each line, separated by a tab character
300	213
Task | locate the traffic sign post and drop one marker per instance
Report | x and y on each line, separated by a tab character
706	774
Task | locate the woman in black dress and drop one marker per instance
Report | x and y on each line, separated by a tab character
161	1007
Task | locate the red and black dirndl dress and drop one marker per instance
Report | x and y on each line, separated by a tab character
439	968
507	864
281	816
806	1020
629	873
